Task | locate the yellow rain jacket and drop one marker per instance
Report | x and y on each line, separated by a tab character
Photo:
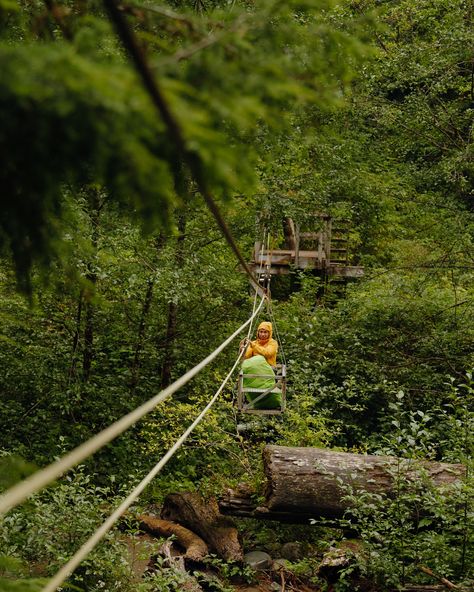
267	348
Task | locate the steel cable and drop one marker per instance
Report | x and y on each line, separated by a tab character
87	547
18	493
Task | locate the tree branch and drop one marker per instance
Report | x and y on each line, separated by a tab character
444	581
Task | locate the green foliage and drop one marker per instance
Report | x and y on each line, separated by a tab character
396	330
69	120
167	578
431	90
75	113
359	109
54	524
418	524
12	568
13	469
228	572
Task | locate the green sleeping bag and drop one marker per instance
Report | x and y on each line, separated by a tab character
258	365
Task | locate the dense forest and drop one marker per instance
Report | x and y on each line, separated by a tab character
132	134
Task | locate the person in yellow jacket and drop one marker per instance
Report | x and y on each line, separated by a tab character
264	345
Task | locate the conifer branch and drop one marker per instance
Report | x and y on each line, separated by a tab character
190	157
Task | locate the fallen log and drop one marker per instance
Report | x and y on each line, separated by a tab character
195	548
240	502
203	517
312	480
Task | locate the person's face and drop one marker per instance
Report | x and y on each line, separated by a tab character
263	334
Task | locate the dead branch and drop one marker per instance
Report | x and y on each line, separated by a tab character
444	581
196	548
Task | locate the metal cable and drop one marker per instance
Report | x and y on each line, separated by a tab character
18	493
269	303
87	547
272	316
256	291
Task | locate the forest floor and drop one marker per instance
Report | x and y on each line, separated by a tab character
142	560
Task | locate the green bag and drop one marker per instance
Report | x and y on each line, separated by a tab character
258	365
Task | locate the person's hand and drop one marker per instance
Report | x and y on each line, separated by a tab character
244	343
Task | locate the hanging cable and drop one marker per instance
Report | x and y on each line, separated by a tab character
259	274
267	271
249	332
269	303
272	316
18	493
87	547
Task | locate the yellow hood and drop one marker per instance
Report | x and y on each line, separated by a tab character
267	326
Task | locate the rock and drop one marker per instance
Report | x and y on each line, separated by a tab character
258	560
292	551
280	563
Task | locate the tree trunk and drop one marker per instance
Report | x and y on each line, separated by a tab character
308	480
203	518
168	360
75	340
88	353
170	343
141	334
241	502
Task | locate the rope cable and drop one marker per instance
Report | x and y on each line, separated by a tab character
259	273
18	493
276	330
269	303
87	547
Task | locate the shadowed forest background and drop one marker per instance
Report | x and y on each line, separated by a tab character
115	278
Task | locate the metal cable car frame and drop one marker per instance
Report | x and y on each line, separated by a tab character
245	406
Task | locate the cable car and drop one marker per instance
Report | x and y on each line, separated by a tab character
254	400
271	398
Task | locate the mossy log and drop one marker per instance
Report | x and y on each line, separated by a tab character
315	481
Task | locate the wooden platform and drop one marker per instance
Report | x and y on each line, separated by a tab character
325	249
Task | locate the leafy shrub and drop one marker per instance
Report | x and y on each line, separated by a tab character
48	530
417	524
